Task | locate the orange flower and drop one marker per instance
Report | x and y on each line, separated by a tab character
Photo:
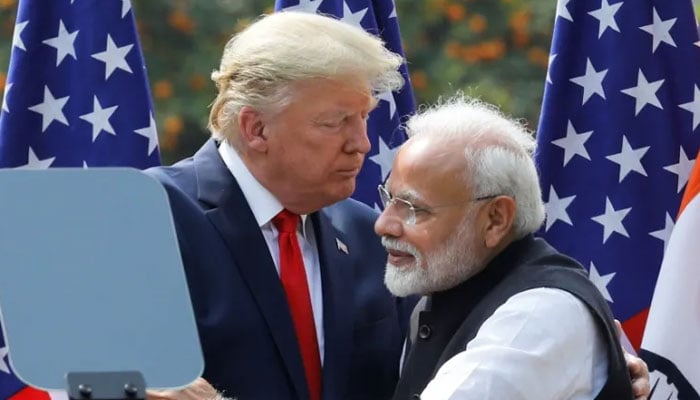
455	12
180	21
470	54
493	50
172	128
519	23
538	56
163	89
477	23
520	39
520	20
5	4
173	125
486	51
452	49
419	80
197	82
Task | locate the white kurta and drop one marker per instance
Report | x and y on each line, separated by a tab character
541	344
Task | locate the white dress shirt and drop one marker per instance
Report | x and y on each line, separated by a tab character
541	344
265	207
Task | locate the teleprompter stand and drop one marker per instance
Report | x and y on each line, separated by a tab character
127	385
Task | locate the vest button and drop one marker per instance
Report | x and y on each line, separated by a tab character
424	332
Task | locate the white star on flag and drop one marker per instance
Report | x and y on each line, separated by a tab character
99	118
33	162
612	220
601	281
126	6
384	158
310	6
627	190
17	35
3	365
591	82
389	98
682	169
51	109
151	134
64	43
549	68
4	98
660	30
573	143
353	18
644	93
665	233
629	159
562	11
693	106
555	208
606	16
393	10
114	57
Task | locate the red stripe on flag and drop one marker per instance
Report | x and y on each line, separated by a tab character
29	393
692	188
634	328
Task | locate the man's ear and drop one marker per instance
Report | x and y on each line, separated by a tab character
252	129
500	216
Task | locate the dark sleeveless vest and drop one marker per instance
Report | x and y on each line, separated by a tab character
455	315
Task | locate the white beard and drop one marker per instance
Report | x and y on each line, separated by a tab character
449	266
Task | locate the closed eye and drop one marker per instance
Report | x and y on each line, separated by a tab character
332	123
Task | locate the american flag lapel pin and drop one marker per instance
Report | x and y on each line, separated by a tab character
341	246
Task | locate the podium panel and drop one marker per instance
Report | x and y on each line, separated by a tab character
91	278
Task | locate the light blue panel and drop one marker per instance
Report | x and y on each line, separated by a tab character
91	278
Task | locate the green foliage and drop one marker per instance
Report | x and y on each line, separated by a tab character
496	50
493	49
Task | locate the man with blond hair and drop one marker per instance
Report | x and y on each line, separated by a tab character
286	287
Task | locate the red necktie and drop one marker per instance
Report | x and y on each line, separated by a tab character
293	276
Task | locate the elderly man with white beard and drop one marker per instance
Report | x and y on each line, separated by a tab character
504	315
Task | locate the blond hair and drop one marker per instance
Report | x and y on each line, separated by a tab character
260	64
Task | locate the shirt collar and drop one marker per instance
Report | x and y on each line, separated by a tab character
263	203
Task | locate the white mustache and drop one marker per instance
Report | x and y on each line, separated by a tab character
397	245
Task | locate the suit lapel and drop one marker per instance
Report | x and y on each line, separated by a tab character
236	223
337	278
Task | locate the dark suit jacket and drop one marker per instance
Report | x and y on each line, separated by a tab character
244	323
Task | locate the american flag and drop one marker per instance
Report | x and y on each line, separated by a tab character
76	96
617	141
384	124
